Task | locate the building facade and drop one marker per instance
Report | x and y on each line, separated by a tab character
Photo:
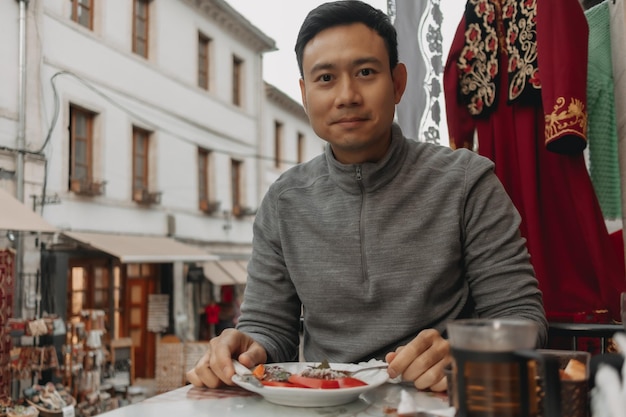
144	132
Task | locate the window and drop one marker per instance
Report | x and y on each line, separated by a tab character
278	143
203	61
81	148
141	139
89	288
140	27
300	146
237	81
82	12
235	181
118	308
204	176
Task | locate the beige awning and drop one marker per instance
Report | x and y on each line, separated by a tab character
142	249
15	215
236	271
226	272
216	274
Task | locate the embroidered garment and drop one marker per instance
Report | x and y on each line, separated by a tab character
536	141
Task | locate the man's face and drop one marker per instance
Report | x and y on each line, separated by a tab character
349	93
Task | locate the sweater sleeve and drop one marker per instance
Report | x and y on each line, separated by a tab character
501	278
270	313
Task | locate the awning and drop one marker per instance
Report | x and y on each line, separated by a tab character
216	274
238	272
142	249
15	215
226	272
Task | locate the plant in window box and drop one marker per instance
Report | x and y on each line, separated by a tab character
84	186
143	196
209	207
241	211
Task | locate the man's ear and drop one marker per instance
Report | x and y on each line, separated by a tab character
399	77
302	92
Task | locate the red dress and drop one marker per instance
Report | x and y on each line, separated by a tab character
516	75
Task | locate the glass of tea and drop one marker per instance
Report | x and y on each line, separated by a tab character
494	369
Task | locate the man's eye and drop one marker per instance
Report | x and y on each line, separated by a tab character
366	71
326	77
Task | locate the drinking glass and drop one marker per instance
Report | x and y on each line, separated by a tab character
494	369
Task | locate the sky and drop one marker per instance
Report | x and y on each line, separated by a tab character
281	20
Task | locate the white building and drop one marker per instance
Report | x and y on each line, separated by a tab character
149	139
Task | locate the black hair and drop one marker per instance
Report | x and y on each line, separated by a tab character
346	12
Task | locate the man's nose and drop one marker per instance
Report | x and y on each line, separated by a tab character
348	93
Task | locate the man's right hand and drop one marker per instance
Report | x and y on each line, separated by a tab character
215	368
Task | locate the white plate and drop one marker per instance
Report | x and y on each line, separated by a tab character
311	397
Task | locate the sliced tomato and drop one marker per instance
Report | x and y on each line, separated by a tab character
308	382
349	382
281	384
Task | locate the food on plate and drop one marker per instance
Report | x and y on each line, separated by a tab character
318	377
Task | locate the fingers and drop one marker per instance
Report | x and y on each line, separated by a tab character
215	368
422	361
201	374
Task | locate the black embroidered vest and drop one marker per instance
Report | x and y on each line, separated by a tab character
494	27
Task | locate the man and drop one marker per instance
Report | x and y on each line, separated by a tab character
379	241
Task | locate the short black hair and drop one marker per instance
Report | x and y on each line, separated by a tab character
345	12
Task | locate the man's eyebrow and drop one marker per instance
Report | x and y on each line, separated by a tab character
323	66
366	60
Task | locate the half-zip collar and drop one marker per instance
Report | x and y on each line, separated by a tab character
373	174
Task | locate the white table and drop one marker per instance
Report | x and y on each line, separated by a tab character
189	401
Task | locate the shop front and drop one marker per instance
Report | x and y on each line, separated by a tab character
137	282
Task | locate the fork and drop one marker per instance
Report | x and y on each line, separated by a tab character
246	375
367	368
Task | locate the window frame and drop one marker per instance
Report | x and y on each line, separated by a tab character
141	39
79	7
279	128
204	164
141	183
237	75
87	139
204	60
236	185
112	307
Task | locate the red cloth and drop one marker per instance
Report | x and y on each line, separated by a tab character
7	282
212	312
617	238
576	265
228	292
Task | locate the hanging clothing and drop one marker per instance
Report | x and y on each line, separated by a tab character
516	75
212	312
602	132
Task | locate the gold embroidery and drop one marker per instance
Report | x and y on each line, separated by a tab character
521	41
478	62
562	120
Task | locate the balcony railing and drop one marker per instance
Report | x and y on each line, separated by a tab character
209	207
145	197
87	187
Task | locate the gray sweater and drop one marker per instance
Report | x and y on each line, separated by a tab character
374	253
